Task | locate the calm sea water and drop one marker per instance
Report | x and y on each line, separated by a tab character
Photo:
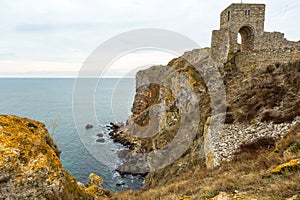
50	101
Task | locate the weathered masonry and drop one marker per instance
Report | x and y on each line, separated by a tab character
248	21
255	51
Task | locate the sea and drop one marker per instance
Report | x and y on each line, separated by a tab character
55	102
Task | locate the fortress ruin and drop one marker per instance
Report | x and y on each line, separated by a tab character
257	46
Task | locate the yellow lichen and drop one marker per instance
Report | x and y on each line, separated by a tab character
180	163
185	198
292	165
94	179
169	99
92	190
28	149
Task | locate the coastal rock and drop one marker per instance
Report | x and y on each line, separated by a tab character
100	134
30	167
35	161
120	184
97	192
121	136
260	111
100	140
94	179
123	153
163	94
116	125
89	126
94	187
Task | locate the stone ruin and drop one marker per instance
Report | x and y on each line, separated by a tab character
248	21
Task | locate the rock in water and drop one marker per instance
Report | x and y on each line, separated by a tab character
120	184
30	167
94	185
116	125
101	140
89	126
100	134
94	179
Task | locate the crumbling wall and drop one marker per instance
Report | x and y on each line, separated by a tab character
263	58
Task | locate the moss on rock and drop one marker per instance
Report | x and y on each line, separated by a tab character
30	167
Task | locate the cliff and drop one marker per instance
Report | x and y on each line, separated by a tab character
261	104
171	101
206	106
215	123
255	155
30	167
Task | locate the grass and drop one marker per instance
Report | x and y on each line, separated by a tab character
245	178
270	95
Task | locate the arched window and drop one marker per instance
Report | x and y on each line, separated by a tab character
246	38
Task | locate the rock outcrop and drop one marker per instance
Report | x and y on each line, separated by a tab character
30	167
259	107
169	112
260	103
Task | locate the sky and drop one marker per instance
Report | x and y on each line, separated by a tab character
40	38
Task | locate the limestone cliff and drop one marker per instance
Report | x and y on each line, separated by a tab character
261	102
169	99
30	167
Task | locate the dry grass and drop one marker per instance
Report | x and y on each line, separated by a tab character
270	95
246	178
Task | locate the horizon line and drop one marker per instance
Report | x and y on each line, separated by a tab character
68	77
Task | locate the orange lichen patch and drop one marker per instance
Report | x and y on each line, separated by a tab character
96	191
92	190
30	165
94	179
292	165
26	145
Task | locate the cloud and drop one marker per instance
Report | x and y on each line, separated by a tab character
125	66
27	68
64	31
7	55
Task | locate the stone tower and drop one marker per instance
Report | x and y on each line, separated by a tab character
244	19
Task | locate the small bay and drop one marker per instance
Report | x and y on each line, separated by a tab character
49	100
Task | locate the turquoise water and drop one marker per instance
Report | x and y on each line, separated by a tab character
50	101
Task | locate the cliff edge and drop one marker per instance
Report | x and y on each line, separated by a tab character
30	167
261	114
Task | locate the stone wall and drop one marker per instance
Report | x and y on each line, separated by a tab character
248	21
275	40
235	135
263	58
258	50
219	45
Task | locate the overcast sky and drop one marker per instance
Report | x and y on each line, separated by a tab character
53	38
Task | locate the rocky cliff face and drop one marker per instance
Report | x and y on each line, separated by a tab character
170	109
262	103
170	139
30	167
